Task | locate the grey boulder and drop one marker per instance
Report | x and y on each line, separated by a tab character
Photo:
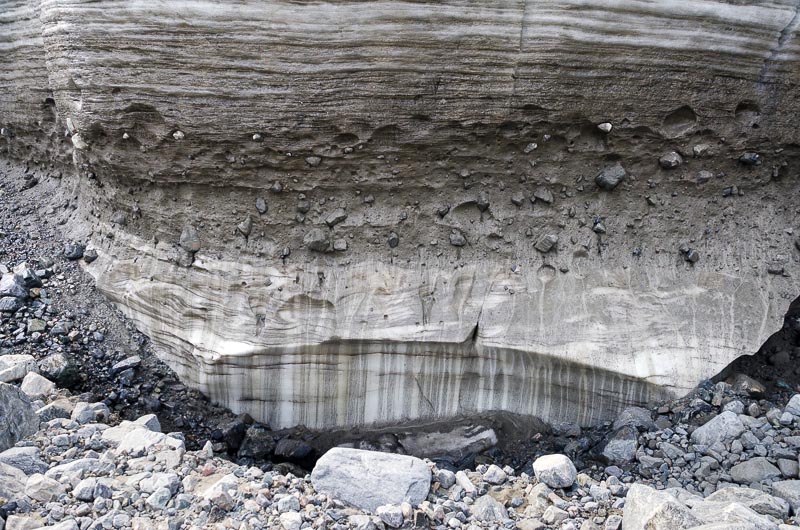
17	416
556	471
26	459
788	490
756	500
12	483
723	429
754	470
649	509
369	479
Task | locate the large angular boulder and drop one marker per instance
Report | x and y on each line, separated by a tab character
756	500
723	428
368	479
650	509
26	459
17	416
788	490
754	470
16	367
12	483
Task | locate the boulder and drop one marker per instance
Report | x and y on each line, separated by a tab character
637	417
12	483
17	416
15	367
368	479
556	471
12	285
732	514
756	500
26	459
721	429
36	386
43	489
788	490
650	509
793	406
754	470
620	446
610	177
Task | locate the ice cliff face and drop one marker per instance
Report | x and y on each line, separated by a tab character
342	213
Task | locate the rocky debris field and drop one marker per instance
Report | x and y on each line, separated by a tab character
85	406
72	470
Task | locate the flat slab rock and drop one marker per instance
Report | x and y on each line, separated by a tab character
369	479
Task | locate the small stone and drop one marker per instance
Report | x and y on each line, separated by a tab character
189	240
544	195
747	386
159	499
78	142
556	471
10	304
119	218
482	201
287	503
89	255
689	254
605	127
340	245
84	490
546	243
129	362
336	217
261	205
486	509
670	160
793	406
704	176
178	135
457	239
246	226
446	478
313	161
750	159
554	516
531	147
291	521
317	240
73	251
391	515
610	177
394	240
495	475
